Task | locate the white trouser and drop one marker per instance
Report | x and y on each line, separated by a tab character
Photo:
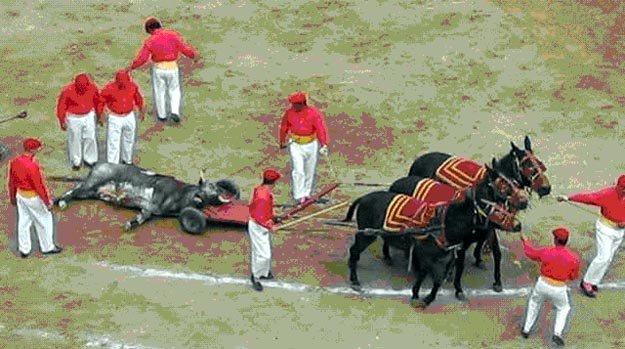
33	211
303	164
608	241
166	86
81	138
121	129
260	239
559	297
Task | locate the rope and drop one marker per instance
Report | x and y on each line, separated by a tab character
297	221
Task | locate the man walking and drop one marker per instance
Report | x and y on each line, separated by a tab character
28	191
121	97
609	230
558	265
306	129
259	227
77	106
164	47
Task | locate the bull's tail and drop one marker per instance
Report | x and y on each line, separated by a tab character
65	179
350	212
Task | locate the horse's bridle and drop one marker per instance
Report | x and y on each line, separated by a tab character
532	172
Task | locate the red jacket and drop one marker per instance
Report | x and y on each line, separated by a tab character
557	262
163	46
70	101
611	203
306	122
122	100
261	206
25	174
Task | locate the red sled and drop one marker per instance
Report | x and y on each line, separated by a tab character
195	221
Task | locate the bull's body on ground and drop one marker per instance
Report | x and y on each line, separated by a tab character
153	194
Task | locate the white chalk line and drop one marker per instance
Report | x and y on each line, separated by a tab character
210	279
90	340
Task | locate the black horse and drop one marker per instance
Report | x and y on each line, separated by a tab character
521	165
484	191
432	256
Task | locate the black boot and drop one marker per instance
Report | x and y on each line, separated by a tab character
256	285
558	340
174	117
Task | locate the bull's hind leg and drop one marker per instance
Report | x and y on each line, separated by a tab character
361	242
138	220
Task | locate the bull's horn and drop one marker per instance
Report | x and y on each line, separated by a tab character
202	175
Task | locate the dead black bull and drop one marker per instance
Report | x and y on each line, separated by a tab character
153	194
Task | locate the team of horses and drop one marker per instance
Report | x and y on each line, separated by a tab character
469	215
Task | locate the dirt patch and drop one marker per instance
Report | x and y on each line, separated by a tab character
27	100
603	123
156	128
357	138
607	6
590	82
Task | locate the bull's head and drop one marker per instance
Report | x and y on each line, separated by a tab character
217	193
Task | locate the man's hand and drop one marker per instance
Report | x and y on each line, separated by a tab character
13	202
277	220
522	237
142	115
324	150
561	198
282	146
64	126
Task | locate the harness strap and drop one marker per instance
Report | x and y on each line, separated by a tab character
410	256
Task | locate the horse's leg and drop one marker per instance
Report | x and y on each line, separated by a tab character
459	269
439	270
361	242
414	301
477	254
386	253
497	261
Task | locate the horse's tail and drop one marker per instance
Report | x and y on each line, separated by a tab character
350	212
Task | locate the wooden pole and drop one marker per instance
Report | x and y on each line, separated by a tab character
297	221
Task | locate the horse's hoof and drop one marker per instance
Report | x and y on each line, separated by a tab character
357	288
388	262
127	226
62	204
461	297
480	265
417	304
497	287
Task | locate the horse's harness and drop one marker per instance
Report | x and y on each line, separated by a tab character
532	172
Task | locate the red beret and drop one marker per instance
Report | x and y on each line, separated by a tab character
31	144
298	97
560	233
620	182
271	175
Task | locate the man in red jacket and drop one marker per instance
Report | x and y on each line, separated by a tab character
121	97
308	135
77	106
259	227
28	191
164	47
558	265
609	230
